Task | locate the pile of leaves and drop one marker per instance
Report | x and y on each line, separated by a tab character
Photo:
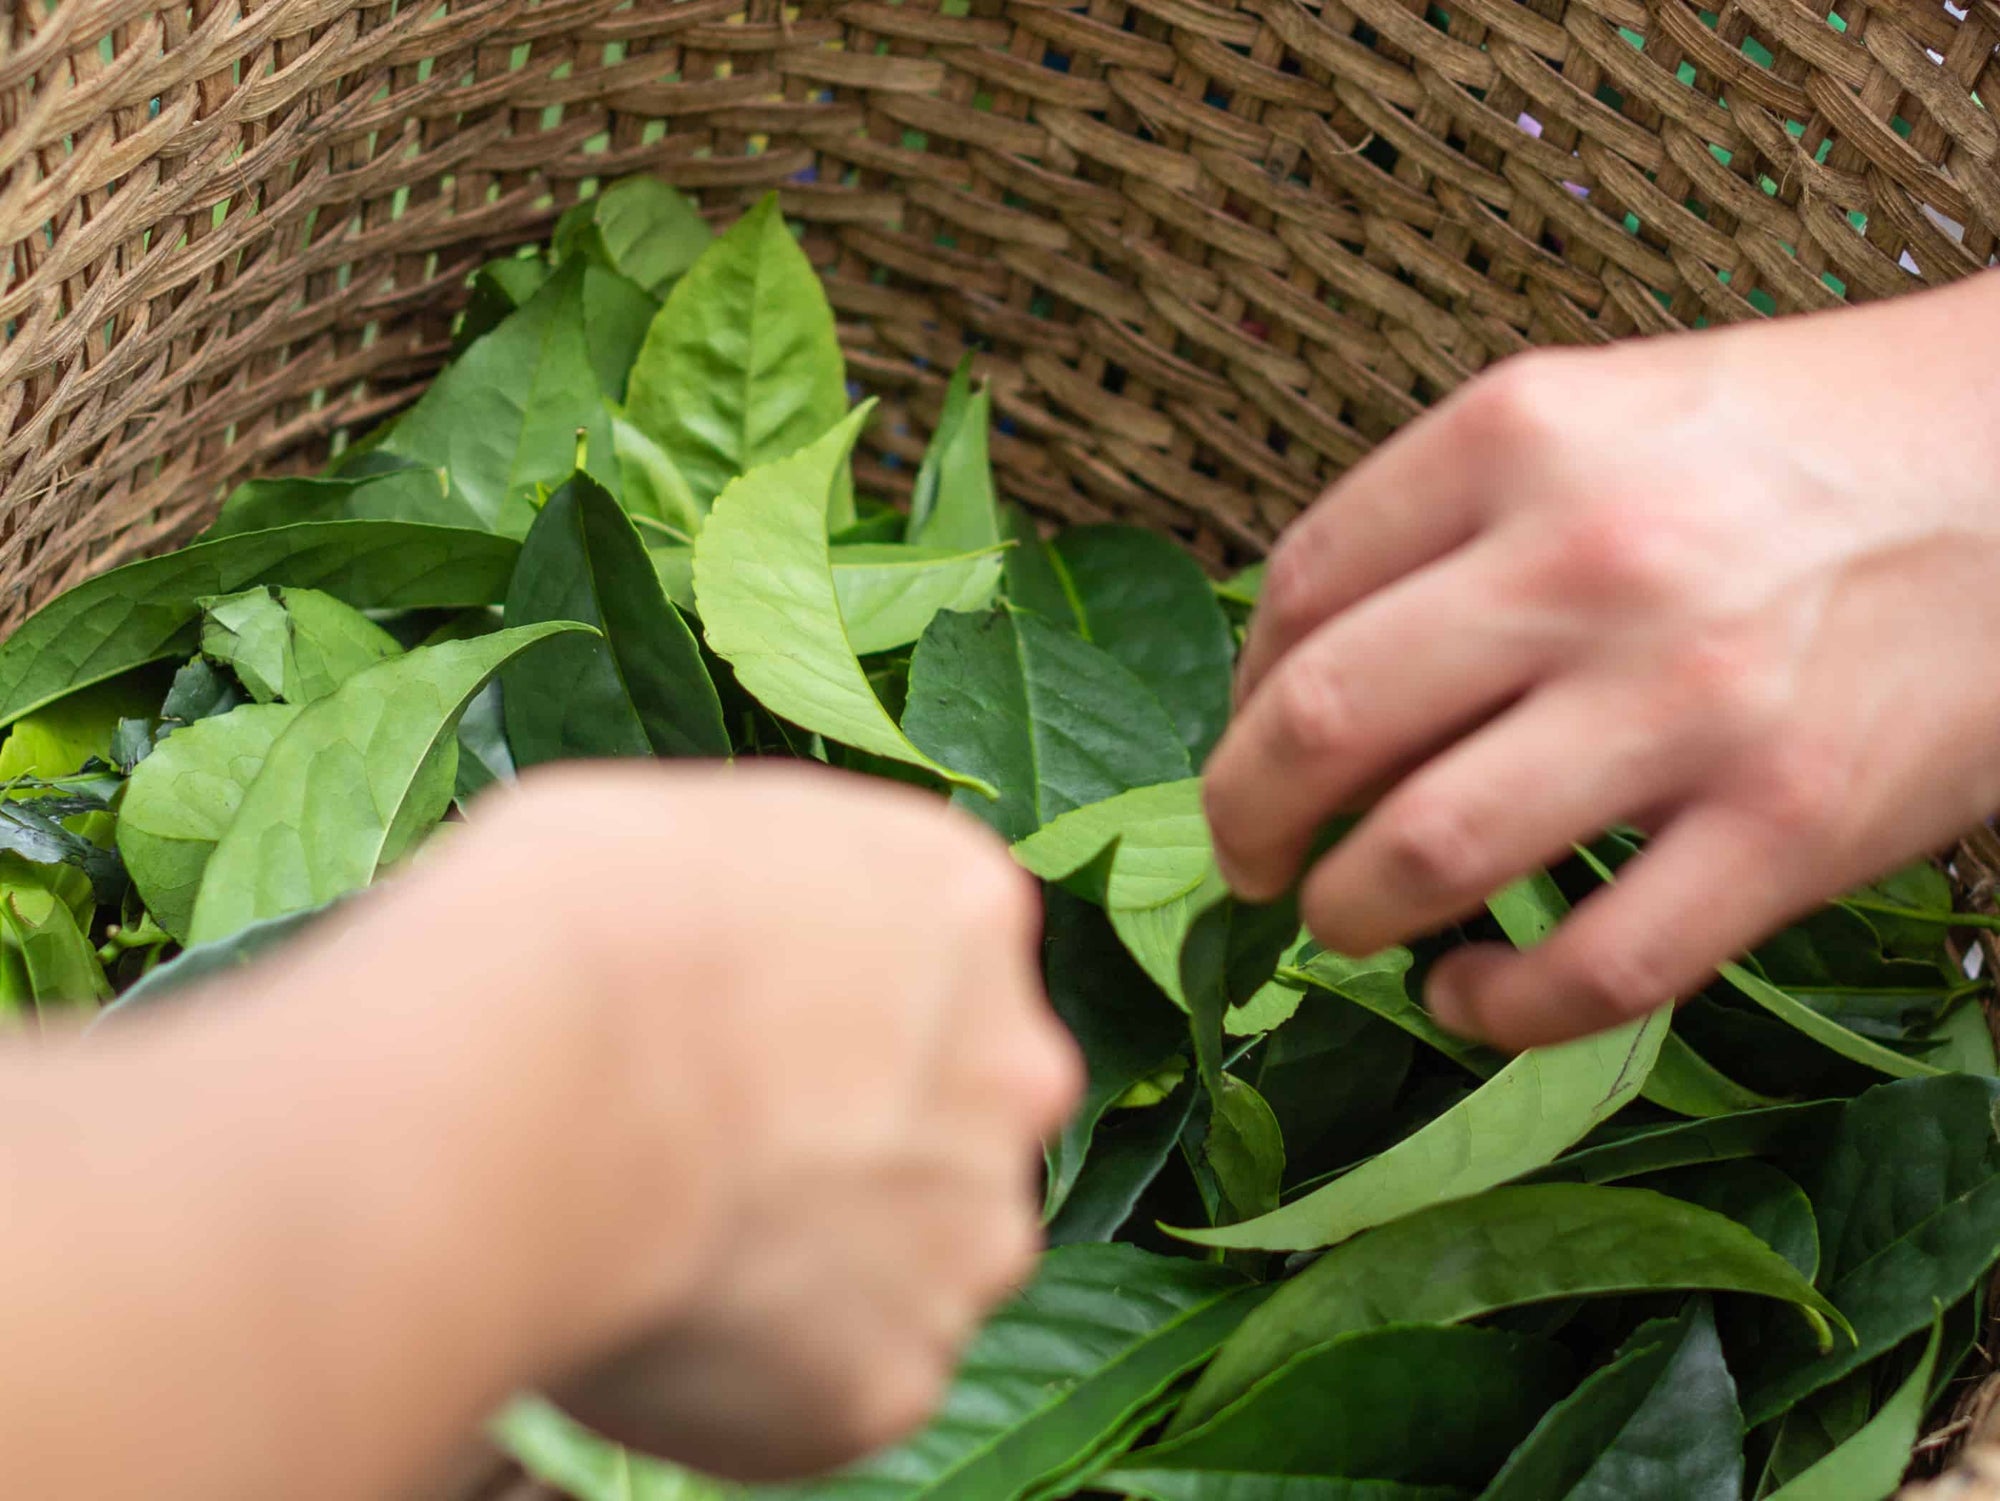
1305	1246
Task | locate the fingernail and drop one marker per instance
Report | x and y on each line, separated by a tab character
1450	1008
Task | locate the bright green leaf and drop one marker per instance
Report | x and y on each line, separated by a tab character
742	366
292	644
349	782
1870	1465
952	504
763	580
638	227
889	593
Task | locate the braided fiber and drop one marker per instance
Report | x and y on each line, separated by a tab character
1212	251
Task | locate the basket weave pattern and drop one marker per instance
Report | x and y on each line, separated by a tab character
1212	252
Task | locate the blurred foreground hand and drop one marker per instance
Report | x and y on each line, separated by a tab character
707	1099
1738	589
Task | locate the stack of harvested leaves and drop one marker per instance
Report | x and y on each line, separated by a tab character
1735	1252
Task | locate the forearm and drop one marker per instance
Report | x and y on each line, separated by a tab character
293	1243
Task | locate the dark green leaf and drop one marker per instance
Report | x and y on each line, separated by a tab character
1777	1131
1047	718
1031	581
1245	1150
1097	1337
483	755
199	692
742	366
1660	1423
1870	1465
1757	1196
402	491
1330	1075
1907	1192
356	776
183	797
763	578
638	688
498	287
1197	1485
1127	1033
1146	602
1508	1247
147	611
616	315
1127	1153
37	835
1415	1404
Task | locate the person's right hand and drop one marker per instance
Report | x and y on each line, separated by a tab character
823	993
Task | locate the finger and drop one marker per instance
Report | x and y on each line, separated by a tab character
1384	682
1567	762
1716	882
1408	503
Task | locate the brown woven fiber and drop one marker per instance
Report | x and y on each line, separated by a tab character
1214	249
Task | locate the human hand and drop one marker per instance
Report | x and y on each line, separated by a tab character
1718	587
845	976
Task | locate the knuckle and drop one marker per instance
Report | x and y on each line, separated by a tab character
1518	407
1720	678
896	1399
1311	715
1799	788
1434	845
1618	554
1293	579
1620	980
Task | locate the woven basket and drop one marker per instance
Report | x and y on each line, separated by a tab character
1212	249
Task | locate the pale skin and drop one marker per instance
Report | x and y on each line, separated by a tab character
707	1100
1735	589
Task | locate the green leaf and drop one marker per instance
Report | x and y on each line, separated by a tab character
1681	1079
1535	1108
1228	952
1244	588
61	966
1907	1193
890	593
183	797
1099	1334
1506	1248
503	419
1816	1427
638	227
742	367
1759	1197
952	504
1244	1149
653	487
1126	1034
556	1449
1778	1130
1198	1485
1688	1084
1660	1423
200	691
1146	602
1127	1152
763	580
639	688
498	287
293	644
55	741
1378	983
616	314
202	963
349	782
1331	1074
1047	718
1161	838
147	611
402	491
1870	1465
1030	579
1415	1404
